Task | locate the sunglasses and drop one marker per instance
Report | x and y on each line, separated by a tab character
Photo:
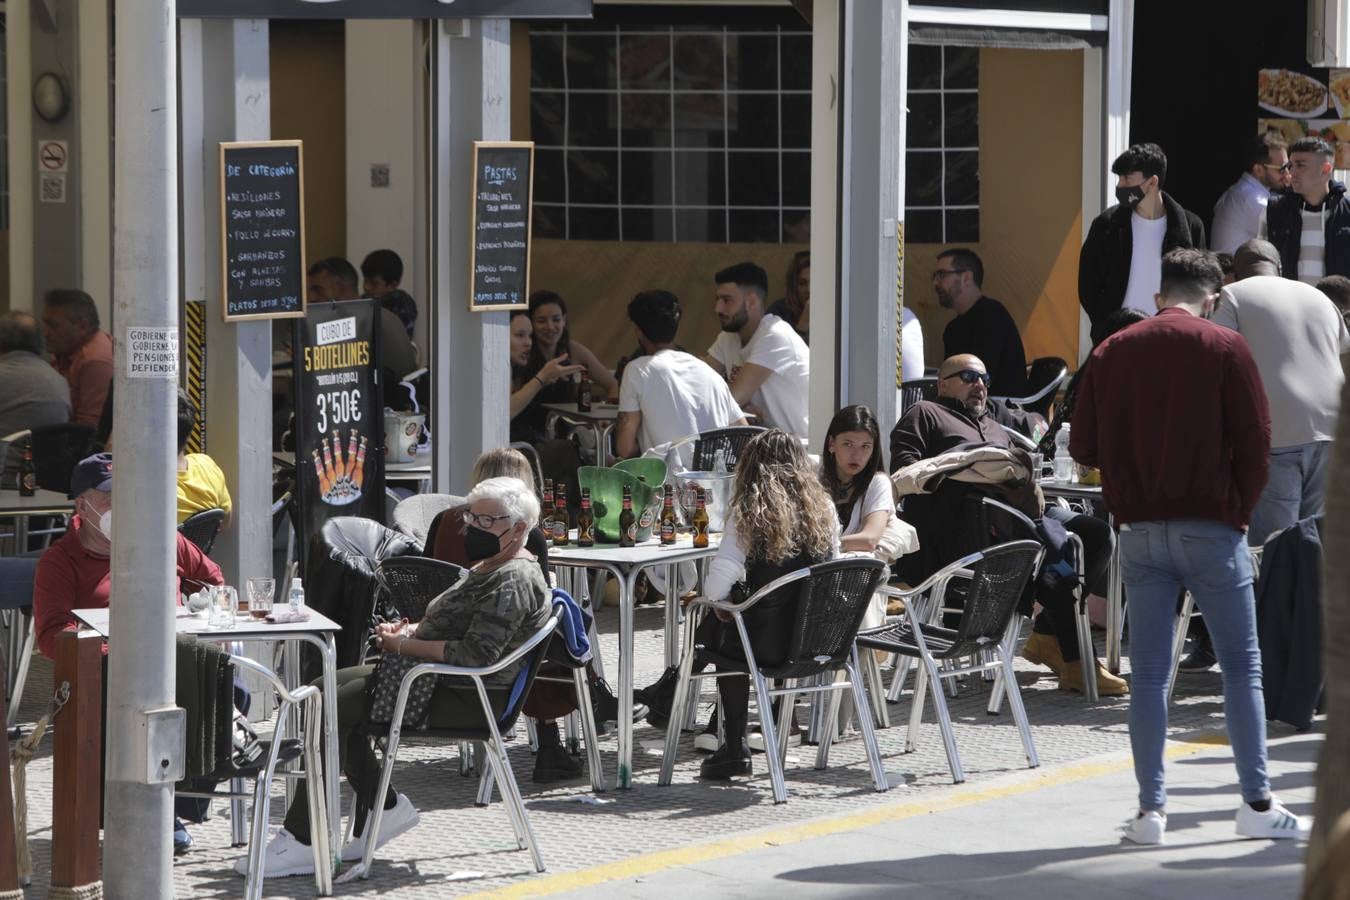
970	376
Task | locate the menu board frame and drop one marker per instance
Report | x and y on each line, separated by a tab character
479	186
225	148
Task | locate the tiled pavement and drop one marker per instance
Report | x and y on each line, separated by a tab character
459	849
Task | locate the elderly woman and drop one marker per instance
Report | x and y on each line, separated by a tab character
494	609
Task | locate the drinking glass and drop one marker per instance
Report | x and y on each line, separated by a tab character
261	592
223	606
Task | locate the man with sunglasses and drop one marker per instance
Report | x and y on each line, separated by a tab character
1237	214
1310	225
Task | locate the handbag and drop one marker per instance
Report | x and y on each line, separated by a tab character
385	683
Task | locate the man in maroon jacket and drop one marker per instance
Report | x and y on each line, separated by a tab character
1173	413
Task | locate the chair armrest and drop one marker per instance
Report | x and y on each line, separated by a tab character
759	595
268	675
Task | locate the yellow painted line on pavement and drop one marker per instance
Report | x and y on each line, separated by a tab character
721	848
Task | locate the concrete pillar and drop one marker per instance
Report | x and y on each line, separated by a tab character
825	258
227	98
470	356
875	38
20	154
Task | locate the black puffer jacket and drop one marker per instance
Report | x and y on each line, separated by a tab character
1104	263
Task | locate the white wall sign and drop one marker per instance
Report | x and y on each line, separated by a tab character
51	188
152	352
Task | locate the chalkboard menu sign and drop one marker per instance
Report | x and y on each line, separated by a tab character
262	230
499	263
339	414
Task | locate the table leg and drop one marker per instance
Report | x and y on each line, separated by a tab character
672	615
626	582
330	733
602	431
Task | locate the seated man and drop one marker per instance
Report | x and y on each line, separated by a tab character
484	617
75	571
667	393
961	418
201	484
35	393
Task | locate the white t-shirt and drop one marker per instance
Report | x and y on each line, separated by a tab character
678	395
877	498
1145	263
778	348
911	346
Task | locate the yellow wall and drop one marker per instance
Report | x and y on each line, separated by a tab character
1031	163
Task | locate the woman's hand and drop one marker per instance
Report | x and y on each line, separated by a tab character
389	636
556	369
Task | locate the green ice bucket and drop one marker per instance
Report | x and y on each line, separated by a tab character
606	487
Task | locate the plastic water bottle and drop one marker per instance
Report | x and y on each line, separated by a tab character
1064	468
720	461
297	597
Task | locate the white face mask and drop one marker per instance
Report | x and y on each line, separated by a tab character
104	524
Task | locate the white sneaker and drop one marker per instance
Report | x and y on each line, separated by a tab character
756	740
393	822
706	741
1148	827
1276	822
284	856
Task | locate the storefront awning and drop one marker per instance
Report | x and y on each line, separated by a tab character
384	9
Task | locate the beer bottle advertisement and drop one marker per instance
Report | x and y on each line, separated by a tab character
339	425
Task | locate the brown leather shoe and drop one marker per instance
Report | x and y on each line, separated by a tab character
1108	685
1043	650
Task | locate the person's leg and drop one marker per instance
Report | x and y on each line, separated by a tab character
1217	569
1316	459
1278	506
1153	582
358	757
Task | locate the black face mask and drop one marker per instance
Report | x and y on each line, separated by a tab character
1130	196
480	544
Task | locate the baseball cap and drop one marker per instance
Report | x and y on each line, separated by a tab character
92	473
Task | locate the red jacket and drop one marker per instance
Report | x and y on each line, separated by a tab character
69	577
1173	413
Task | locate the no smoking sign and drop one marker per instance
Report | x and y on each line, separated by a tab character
53	156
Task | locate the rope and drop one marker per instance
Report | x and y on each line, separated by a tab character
83	892
19	757
899	299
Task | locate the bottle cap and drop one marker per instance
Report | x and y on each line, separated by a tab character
296	585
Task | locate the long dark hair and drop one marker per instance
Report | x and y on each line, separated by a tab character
850	418
521	374
800	260
538	299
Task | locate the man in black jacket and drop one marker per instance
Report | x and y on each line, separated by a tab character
1121	261
1310	225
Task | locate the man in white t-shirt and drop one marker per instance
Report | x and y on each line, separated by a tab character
764	360
667	393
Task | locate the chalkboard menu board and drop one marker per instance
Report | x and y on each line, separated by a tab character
499	264
339	414
262	230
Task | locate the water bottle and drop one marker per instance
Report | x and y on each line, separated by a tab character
720	461
297	598
1064	468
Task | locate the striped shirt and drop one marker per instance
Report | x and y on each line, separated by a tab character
1312	245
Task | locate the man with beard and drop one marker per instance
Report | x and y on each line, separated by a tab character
1238	213
764	360
1121	260
982	326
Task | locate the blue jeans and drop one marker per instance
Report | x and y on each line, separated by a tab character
1296	489
1158	560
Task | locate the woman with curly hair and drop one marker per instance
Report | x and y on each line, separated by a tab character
781	519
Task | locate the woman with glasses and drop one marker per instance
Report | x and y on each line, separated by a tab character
496	607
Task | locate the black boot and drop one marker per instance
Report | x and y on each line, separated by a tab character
553	762
606	705
730	759
659	697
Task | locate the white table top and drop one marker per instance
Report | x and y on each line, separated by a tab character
646	553
599	412
244	626
41	503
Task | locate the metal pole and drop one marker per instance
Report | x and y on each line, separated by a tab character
138	851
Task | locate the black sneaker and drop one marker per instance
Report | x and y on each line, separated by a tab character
555	764
726	763
659	698
1201	659
606	705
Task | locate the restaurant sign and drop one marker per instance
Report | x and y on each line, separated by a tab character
384	9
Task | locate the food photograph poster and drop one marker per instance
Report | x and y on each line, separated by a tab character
1307	102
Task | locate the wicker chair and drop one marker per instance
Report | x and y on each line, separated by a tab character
830	601
911	392
732	440
994	580
202	528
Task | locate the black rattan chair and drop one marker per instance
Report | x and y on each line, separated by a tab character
994	580
412	582
913	391
731	440
488	736
202	528
56	450
829	601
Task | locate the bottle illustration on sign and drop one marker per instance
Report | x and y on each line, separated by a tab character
340	474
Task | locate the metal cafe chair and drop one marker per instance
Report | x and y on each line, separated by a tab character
995	579
831	599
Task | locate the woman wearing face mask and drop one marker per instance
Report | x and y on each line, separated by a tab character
500	603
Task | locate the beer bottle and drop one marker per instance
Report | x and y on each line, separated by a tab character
562	519
325	483
585	521
667	521
546	510
700	521
627	521
358	475
584	392
27	477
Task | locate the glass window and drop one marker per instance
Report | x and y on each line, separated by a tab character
942	158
